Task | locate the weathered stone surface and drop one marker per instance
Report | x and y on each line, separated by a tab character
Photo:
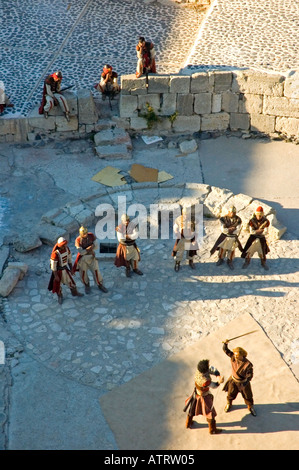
153	100
138	123
216	200
113	151
203	103
239	121
169	104
180	84
158	83
27	242
216	102
276	229
291	86
188	146
87	113
112	136
262	123
128	105
222	81
49	233
218	121
185	104
187	124
38	121
62	125
201	83
240	201
250	104
18	265
132	85
288	126
258	83
230	102
9	280
281	106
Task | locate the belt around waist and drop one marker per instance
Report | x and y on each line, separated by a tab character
239	381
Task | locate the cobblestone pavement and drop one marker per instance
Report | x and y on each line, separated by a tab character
80	37
250	34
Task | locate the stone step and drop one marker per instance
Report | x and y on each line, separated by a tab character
113	136
120	151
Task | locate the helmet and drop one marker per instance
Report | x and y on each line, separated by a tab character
259	210
58	74
83	230
232	209
240	351
61	241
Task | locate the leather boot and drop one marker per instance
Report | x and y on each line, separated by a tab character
60	298
230	264
252	410
212	427
177	266
128	269
246	263
263	263
87	288
191	264
189	421
136	270
102	288
228	406
219	262
75	292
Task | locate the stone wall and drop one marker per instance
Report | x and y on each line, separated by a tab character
246	100
83	116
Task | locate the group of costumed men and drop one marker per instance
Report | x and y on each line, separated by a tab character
128	253
108	84
201	402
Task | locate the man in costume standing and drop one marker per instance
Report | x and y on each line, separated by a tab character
239	381
86	244
201	402
257	243
108	82
228	240
127	253
52	96
146	54
61	266
184	230
4	99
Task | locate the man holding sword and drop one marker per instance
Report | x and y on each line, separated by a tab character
242	373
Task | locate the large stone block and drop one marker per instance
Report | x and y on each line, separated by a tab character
216	102
213	122
201	83
120	151
38	121
130	85
203	103
288	126
128	105
216	200
230	102
281	106
87	113
276	229
258	83
188	124
180	84
222	81
138	123
262	123
8	281
26	241
250	104
49	233
158	83
239	121
153	100
291	86
185	104
62	125
16	127
169	104
4	254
